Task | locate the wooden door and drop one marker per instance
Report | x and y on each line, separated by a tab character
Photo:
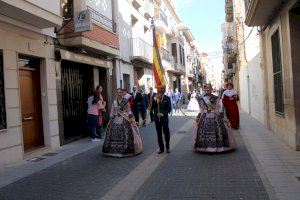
31	109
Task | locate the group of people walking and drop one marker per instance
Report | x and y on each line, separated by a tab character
122	138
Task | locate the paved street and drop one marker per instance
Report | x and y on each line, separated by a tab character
182	174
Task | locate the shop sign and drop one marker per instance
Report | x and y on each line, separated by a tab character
82	21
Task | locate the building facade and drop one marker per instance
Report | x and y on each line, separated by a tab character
28	107
242	60
53	56
134	66
87	57
279	28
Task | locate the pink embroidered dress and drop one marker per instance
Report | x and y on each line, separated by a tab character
122	138
213	133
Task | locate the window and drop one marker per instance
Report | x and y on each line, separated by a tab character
174	52
180	54
183	55
3	124
277	73
68	9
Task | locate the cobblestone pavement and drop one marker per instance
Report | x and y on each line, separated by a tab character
182	174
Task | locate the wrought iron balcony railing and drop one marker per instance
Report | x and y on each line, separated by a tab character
141	49
103	20
163	17
165	55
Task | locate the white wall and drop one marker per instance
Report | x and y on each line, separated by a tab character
123	68
253	104
143	81
127	31
252	43
14	41
49	5
102	6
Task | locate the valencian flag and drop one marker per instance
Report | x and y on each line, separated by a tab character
157	65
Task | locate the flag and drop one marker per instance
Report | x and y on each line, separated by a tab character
157	65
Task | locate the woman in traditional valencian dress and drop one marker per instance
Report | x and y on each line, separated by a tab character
193	104
230	98
213	132
122	135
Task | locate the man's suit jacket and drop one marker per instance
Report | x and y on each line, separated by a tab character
164	108
137	101
150	99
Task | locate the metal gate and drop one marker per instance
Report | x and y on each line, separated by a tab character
76	81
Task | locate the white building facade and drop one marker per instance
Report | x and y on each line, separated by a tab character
28	88
134	66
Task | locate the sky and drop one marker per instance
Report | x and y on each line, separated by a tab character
204	18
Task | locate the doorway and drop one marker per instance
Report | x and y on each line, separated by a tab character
77	80
126	82
103	81
31	107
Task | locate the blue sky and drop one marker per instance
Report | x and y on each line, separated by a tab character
204	18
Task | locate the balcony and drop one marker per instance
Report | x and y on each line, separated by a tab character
261	12
102	20
44	14
101	39
141	50
162	22
148	9
229	10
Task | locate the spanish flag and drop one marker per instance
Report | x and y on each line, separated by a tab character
157	65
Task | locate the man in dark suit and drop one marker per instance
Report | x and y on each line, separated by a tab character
137	103
161	106
151	95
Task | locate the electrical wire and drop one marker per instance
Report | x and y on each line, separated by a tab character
246	37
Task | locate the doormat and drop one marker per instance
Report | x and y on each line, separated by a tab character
35	159
181	132
49	154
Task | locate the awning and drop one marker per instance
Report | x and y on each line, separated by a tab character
68	55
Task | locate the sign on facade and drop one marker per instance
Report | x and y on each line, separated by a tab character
82	21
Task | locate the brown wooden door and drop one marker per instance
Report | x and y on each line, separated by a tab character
31	109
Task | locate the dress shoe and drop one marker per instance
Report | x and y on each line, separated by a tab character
168	151
160	152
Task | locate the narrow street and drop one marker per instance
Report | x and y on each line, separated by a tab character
182	174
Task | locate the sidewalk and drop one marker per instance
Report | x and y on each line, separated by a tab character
39	162
277	164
